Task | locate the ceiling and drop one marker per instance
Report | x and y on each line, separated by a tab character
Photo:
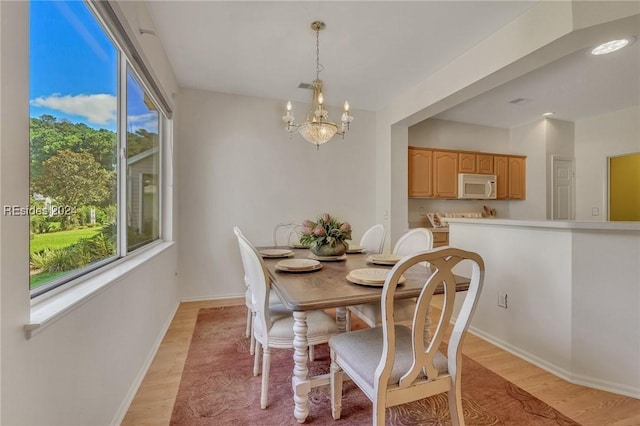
574	87
371	52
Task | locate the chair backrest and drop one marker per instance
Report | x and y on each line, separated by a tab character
373	239
286	234
413	241
442	261
255	278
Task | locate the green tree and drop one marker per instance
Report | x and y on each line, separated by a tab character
48	137
140	141
75	179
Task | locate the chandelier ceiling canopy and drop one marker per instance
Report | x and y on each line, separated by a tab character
317	128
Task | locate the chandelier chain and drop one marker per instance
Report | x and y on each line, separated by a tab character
319	66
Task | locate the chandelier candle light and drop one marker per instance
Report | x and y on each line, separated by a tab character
318	128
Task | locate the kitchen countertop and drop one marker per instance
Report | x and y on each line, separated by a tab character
413	225
558	224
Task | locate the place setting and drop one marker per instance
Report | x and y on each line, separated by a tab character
328	258
275	253
354	248
374	277
383	259
298	265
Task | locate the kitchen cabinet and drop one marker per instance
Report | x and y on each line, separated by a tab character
433	173
471	162
517	178
467	162
511	177
445	174
420	172
484	164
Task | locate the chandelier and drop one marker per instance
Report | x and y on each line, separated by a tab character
318	128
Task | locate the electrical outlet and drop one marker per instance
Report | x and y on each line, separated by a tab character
502	299
421	211
595	211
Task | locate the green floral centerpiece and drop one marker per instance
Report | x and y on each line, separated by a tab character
326	236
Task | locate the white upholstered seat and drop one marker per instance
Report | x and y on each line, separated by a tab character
414	241
392	364
273	325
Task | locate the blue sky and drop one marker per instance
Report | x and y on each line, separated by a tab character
74	68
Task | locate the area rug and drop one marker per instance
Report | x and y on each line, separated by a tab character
218	388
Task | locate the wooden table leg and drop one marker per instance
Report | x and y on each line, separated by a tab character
341	318
300	380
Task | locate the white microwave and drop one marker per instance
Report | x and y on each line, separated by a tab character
476	187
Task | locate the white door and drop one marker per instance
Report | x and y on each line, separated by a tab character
563	189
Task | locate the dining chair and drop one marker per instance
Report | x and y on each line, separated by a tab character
273	324
286	234
373	239
392	364
249	302
413	241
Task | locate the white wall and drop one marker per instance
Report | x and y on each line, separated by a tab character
572	299
597	138
238	167
83	367
530	140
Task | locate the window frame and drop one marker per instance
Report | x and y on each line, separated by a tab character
108	21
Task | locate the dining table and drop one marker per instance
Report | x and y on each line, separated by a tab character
326	288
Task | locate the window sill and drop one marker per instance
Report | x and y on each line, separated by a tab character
48	309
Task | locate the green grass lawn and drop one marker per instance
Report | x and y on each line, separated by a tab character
39	279
60	239
56	240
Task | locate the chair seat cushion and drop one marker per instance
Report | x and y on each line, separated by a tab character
363	348
371	313
321	326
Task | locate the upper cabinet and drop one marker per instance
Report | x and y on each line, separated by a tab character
433	173
467	162
420	172
471	162
484	164
511	177
445	174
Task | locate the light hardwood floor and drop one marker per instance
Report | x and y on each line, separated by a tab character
154	400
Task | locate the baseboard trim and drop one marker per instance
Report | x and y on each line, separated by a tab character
217	301
133	390
230	297
564	374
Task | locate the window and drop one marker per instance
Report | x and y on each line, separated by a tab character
143	204
95	150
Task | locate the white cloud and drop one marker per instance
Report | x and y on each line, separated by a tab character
98	109
147	121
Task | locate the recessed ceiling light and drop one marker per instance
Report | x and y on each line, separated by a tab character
548	114
610	46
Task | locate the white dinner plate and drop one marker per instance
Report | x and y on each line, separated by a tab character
383	259
298	246
328	258
276	253
353	248
372	283
297	271
372	275
298	265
